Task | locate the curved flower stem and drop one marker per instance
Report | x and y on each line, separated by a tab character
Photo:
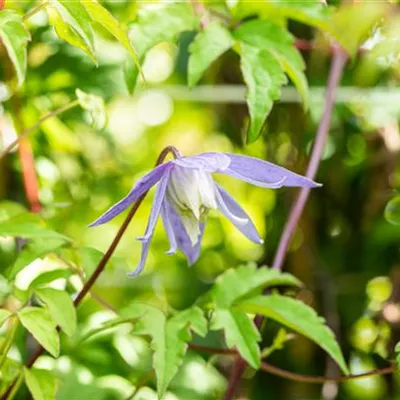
35	10
27	131
100	267
338	62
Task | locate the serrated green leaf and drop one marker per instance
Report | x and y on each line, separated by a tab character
207	46
74	14
296	315
236	283
107	21
68	33
169	337
41	383
4	314
350	34
61	308
154	26
280	44
23	227
95	106
39	323
32	251
263	76
15	37
240	333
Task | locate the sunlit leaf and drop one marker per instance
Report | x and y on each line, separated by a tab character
154	26
169	339
236	283
61	308
39	323
50	276
15	37
296	315
4	314
18	226
41	383
33	250
351	30
102	16
263	76
280	44
207	46
240	333
8	373
68	33
74	14
95	106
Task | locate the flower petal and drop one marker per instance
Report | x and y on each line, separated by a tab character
209	162
140	187
264	174
228	206
169	229
182	238
151	224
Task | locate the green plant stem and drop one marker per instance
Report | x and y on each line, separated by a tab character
27	131
9	341
35	10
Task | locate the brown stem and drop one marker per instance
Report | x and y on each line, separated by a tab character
337	66
103	262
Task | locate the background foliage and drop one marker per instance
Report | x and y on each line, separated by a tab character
124	79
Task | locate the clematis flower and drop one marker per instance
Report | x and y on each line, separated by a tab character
186	192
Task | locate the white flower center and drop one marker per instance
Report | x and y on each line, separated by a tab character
192	194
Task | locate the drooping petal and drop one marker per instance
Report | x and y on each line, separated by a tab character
209	162
182	238
264	174
168	229
141	186
228	206
151	224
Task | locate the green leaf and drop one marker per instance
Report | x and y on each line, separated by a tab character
39	323
154	26
263	77
9	209
41	383
33	250
107	21
4	314
351	30
297	316
169	338
236	283
8	373
207	46
240	332
50	276
68	33
61	308
15	37
95	106
21	226
74	14
280	44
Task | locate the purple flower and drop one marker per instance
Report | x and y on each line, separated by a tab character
186	192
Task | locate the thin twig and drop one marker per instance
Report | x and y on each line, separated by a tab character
100	267
338	63
27	131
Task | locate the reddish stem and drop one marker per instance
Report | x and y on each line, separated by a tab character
338	63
